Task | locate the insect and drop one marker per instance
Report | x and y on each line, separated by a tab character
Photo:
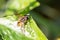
23	20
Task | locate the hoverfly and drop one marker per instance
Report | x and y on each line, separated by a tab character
22	21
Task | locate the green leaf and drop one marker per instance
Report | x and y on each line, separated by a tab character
21	6
9	34
34	32
40	35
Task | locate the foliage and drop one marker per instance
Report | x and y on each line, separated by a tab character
22	8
